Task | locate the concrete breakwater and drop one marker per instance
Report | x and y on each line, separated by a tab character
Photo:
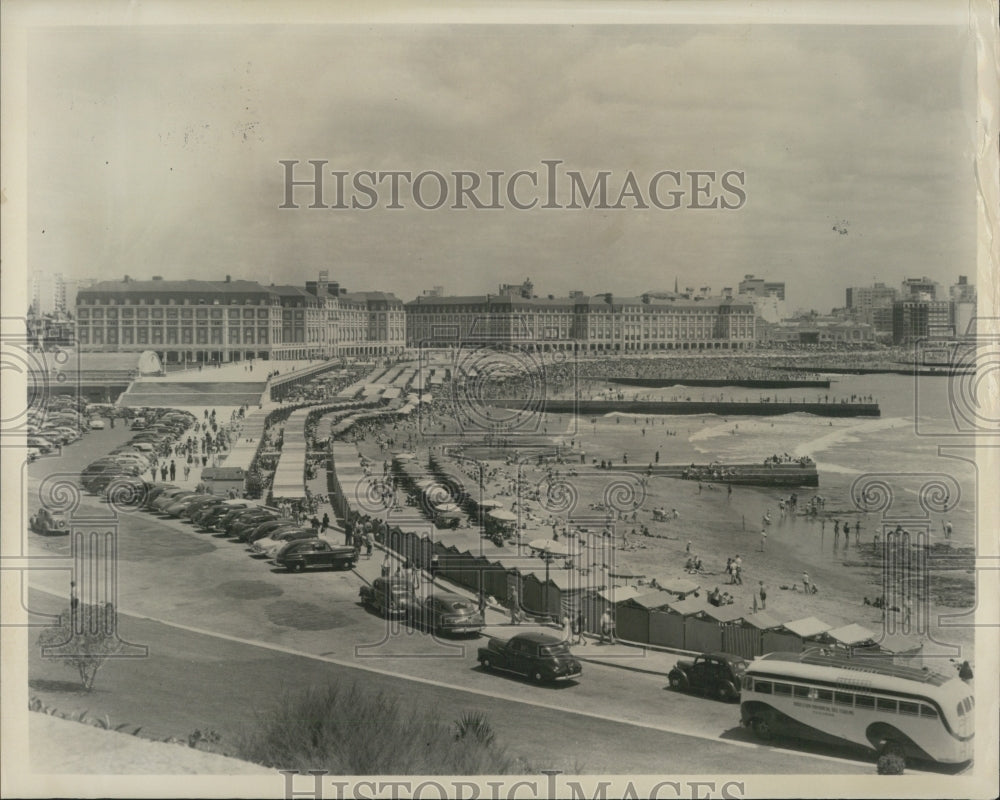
770	475
747	383
722	409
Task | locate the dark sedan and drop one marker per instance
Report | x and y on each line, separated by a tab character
539	656
448	613
302	554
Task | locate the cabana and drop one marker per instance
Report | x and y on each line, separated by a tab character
848	637
790	636
681	587
666	624
632	614
744	636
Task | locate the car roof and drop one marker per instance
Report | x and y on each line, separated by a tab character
536	637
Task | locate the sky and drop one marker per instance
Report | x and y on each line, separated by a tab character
155	151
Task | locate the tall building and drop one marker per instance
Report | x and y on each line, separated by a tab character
963	295
872	305
917	318
919	287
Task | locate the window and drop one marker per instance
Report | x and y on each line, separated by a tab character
825	695
884	704
171	335
908	708
801	691
783	688
763	687
843	698
928	711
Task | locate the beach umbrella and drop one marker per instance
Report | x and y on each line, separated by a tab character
502	515
550	547
447	508
678	586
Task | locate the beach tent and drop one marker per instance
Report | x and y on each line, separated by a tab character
744	636
678	586
789	636
852	635
666	624
632	614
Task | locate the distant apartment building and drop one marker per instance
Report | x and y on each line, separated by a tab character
758	287
587	323
918	317
919	288
872	305
198	321
963	295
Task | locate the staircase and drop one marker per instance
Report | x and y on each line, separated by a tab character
181	394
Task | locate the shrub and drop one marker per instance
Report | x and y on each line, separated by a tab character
83	640
891	764
348	730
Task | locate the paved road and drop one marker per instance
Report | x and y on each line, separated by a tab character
205	586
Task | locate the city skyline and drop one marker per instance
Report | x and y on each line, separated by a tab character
851	142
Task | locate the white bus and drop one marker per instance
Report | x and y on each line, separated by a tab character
862	700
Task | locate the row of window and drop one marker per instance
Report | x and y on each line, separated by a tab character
841	698
171	313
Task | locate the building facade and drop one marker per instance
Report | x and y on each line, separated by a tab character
198	322
872	305
752	285
919	318
594	324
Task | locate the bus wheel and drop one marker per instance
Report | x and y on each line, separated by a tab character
762	727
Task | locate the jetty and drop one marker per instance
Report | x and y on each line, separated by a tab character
745	383
784	474
721	408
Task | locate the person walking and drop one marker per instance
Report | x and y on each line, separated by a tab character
163	472
762	591
805	582
578	625
173	470
607	627
763	540
326	522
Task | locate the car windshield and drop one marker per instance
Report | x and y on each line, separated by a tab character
554	650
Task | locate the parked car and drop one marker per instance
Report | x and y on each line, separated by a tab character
203	502
266	529
156	491
180	504
390	597
540	656
717	674
41	443
48	524
209	517
248	521
272	545
138	423
447	613
302	554
97	424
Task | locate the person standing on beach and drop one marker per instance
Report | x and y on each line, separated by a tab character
805	582
763	540
762	591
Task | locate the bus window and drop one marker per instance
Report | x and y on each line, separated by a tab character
927	711
824	694
864	701
885	704
843	698
908	708
960	709
782	688
764	687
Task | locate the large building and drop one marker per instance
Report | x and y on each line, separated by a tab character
872	305
594	324
917	318
924	288
195	321
758	287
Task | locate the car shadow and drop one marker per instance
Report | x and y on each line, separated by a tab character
514	677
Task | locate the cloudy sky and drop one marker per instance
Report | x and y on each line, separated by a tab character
155	151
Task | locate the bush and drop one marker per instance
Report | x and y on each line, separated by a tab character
85	645
891	764
347	730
